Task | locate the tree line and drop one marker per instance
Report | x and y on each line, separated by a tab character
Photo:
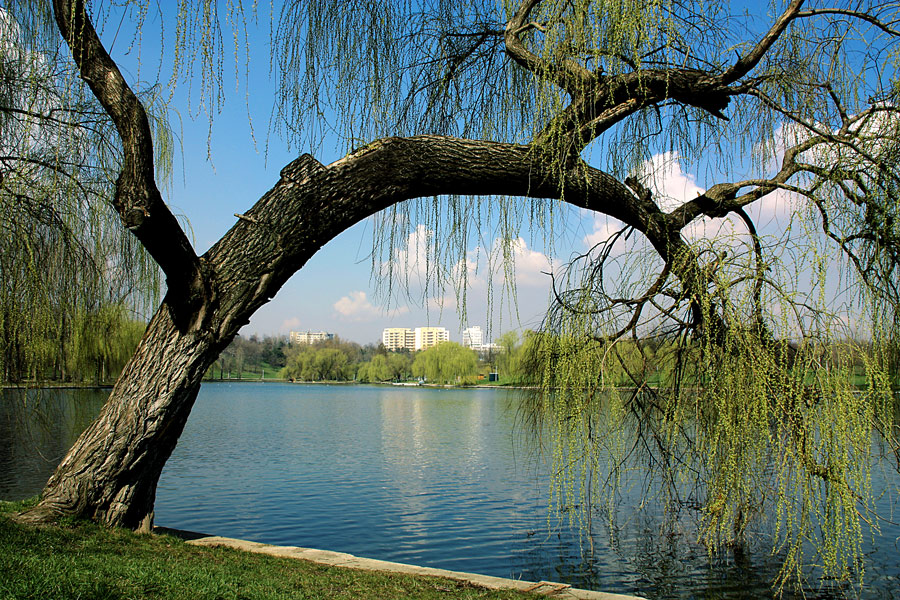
253	357
272	357
74	346
445	363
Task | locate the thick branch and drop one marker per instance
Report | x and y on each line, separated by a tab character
611	99
567	74
312	204
137	197
722	198
600	102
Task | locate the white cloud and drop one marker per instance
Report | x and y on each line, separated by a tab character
356	307
775	211
530	267
467	269
415	263
670	185
440	303
415	260
604	227
291	324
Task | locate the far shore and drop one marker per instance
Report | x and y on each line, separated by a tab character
411	384
50	385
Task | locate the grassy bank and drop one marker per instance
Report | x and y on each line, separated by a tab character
81	560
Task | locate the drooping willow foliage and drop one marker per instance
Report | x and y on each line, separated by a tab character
73	281
756	393
767	424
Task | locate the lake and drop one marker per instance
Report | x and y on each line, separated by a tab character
434	477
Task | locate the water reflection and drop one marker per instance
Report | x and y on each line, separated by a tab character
431	477
37	427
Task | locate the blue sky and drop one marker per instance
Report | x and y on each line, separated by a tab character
336	291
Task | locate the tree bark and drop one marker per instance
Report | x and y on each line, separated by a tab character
110	473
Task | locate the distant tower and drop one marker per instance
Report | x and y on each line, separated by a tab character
398	338
473	338
310	337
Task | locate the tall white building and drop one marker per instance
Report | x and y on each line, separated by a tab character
310	337
426	337
473	338
398	338
420	338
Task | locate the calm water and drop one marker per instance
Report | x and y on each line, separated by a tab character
423	476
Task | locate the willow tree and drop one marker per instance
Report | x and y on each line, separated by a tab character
64	257
447	362
494	108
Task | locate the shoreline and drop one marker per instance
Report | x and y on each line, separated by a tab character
343	560
56	386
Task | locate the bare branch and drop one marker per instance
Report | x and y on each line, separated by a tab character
567	74
748	61
862	16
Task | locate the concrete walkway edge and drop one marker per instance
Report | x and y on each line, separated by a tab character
340	559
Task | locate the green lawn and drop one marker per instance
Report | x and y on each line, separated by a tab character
82	560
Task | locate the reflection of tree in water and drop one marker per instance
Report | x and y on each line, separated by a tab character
650	553
37	428
644	532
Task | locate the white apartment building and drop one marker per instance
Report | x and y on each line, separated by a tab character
398	338
426	337
420	338
473	338
310	337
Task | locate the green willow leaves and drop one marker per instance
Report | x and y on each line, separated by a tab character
63	252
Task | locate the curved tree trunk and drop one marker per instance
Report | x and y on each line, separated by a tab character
111	472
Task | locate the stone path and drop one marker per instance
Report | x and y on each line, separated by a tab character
340	559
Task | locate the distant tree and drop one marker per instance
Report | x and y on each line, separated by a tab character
399	365
299	363
63	251
374	370
321	362
388	366
252	350
101	343
446	362
507	358
272	351
330	364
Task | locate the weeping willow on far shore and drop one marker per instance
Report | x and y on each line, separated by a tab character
74	284
766	432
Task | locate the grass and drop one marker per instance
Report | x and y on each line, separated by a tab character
82	560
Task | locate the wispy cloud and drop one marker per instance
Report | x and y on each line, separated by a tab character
291	324
357	307
529	266
670	184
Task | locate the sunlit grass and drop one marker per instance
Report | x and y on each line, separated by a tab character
84	560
